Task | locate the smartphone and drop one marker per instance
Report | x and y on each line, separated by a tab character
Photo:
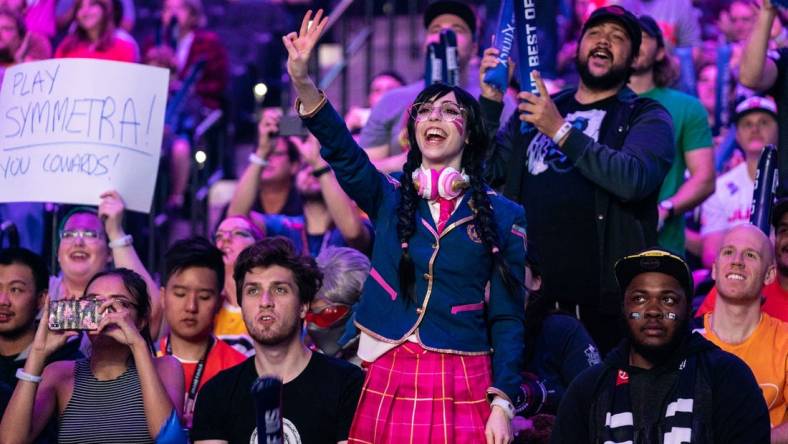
74	314
292	126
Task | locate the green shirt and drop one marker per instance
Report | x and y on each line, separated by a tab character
691	129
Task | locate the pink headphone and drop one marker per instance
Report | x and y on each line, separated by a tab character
447	183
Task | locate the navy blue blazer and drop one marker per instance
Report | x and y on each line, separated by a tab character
453	268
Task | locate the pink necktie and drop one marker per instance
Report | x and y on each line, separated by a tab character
446	207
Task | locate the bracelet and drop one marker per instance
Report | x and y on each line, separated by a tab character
320	171
257	160
123	241
507	406
24	376
562	132
305	115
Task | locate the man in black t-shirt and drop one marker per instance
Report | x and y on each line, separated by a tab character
588	171
275	287
769	75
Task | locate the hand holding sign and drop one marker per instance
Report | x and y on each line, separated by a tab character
490	61
110	210
540	110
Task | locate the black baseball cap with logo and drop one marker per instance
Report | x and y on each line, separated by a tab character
621	16
654	260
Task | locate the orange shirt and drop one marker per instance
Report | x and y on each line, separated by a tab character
229	326
776	304
221	357
766	353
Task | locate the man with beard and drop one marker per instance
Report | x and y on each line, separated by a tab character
662	383
588	169
275	287
329	216
653	72
744	264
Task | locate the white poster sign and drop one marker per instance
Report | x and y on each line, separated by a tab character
71	129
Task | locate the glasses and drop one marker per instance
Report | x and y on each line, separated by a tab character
85	235
447	111
328	316
229	235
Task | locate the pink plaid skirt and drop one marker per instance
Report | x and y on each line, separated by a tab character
415	396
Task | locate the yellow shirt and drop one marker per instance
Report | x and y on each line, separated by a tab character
229	326
766	353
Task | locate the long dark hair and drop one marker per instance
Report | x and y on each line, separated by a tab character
136	286
476	145
80	35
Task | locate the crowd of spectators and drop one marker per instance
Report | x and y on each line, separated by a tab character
647	284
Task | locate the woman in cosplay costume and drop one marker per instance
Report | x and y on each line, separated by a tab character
442	313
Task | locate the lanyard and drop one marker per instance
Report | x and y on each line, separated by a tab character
198	371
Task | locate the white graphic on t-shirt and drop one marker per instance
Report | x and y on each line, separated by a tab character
592	355
542	152
290	433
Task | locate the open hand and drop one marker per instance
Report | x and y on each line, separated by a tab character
540	111
300	45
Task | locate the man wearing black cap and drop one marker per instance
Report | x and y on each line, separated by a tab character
662	383
589	170
383	137
653	73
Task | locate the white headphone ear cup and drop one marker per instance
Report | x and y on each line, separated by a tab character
446	182
422	182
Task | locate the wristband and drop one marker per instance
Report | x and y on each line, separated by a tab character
562	132
123	241
24	376
257	160
507	406
320	171
302	113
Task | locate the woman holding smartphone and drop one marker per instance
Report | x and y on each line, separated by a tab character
441	316
120	394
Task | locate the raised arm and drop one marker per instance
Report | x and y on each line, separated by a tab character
757	71
248	188
343	213
355	173
110	210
